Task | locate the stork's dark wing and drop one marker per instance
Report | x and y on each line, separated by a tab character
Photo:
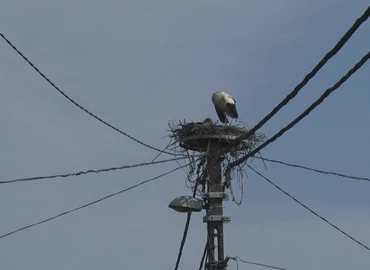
221	115
232	110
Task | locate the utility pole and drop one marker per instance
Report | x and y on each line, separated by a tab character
211	140
214	217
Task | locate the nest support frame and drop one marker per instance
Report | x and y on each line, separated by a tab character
198	136
201	142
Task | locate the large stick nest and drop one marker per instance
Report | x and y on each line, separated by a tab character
197	136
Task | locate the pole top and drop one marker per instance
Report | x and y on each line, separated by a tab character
200	142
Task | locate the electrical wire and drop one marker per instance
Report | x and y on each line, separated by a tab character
186	229
89	204
236	259
315	170
310	75
88	171
309	209
185	234
164	149
305	113
203	256
78	105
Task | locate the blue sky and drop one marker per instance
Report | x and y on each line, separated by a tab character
140	64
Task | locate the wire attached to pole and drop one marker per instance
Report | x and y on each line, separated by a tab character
309	209
77	104
320	100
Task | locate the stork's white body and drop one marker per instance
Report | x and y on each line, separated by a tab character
225	105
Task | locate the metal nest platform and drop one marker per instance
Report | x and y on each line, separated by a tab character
197	136
201	142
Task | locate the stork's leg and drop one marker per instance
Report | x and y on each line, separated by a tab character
229	120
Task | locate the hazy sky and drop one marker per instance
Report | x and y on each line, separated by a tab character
140	64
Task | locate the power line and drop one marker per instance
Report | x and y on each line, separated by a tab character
310	75
305	113
236	259
91	203
78	105
315	170
203	256
185	234
164	149
309	209
88	171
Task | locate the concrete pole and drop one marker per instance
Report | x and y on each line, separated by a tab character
215	228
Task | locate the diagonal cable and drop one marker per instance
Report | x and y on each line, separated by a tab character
78	105
185	234
310	75
305	113
315	170
309	209
203	256
88	171
89	204
236	259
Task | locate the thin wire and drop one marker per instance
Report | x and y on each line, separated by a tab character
88	171
316	170
183	240
78	105
185	234
204	255
89	204
310	75
305	113
236	259
309	209
164	149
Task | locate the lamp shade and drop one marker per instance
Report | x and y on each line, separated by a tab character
185	204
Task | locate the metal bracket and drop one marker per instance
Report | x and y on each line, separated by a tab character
216	218
216	195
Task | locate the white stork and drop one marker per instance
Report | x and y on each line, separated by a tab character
225	106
